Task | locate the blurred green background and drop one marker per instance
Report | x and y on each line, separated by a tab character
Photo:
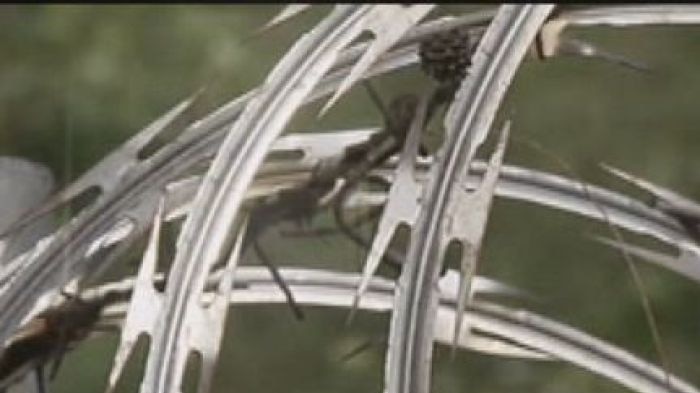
76	81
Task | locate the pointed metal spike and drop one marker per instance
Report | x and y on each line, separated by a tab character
475	210
288	12
449	287
209	344
145	302
385	231
402	204
686	263
669	201
637	181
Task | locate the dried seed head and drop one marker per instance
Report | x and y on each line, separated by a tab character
445	56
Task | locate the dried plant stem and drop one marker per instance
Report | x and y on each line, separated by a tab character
629	259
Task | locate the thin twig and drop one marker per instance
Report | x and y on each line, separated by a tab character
629	259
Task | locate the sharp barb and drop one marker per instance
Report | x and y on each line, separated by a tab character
668	201
287	13
687	268
402	205
480	205
381	241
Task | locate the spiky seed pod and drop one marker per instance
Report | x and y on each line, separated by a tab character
445	56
